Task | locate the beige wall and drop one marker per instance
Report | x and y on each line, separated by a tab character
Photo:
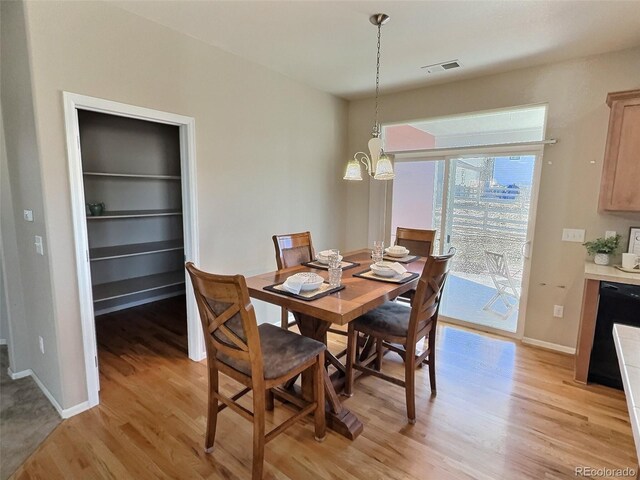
269	149
575	92
29	274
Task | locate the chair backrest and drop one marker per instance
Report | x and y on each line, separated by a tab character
419	242
426	301
228	319
499	269
293	249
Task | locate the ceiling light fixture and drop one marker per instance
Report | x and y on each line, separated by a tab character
377	157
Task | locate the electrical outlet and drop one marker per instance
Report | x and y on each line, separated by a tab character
573	235
558	311
28	215
38	244
610	233
41	344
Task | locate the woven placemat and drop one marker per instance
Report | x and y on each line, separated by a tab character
323	266
405	259
404	278
324	290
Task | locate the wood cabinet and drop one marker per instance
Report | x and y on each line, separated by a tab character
620	185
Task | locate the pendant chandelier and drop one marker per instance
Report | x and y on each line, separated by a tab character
376	158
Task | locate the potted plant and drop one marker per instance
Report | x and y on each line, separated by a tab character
601	248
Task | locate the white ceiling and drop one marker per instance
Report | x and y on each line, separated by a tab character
331	45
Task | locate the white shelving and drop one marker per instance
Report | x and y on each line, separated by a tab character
132	286
132	175
115	214
122	251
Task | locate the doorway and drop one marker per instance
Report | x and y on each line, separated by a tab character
119	204
482	204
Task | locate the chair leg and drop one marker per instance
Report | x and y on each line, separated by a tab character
284	319
212	414
258	435
432	361
318	386
378	364
268	400
352	350
410	386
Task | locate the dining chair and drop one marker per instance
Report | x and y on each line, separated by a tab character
418	242
394	327
258	357
292	249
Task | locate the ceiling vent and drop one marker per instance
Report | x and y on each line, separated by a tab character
441	67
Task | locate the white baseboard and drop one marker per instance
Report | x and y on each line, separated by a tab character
136	303
18	375
548	345
63	412
3	341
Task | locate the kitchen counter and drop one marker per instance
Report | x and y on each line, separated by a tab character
627	341
609	274
593	275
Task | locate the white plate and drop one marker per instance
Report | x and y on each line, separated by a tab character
323	256
312	281
382	270
396	253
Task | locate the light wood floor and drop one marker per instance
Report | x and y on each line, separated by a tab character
503	411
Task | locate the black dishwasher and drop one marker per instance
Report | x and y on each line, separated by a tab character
619	303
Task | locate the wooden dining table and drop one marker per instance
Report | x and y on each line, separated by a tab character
314	318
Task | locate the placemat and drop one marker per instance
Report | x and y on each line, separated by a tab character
324	290
405	259
404	278
323	266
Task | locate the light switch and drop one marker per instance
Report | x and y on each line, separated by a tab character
38	244
573	235
28	215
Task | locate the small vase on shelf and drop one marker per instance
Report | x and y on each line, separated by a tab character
601	259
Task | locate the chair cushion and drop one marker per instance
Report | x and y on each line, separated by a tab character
282	352
390	318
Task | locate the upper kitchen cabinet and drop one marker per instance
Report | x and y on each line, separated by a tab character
620	186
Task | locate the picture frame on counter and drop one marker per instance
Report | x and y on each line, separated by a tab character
634	240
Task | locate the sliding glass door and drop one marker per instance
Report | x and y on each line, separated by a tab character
482	206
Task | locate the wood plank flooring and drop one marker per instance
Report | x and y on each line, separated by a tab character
503	411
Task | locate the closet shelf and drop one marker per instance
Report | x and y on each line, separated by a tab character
122	251
110	215
132	175
131	286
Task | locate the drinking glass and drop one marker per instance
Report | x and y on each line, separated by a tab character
335	276
378	251
334	258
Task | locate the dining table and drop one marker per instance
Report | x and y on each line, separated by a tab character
314	318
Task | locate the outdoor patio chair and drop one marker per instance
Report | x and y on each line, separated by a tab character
503	281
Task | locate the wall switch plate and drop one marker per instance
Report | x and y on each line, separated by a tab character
41	344
28	215
558	311
573	235
610	233
38	244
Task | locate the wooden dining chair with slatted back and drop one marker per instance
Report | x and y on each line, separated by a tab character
397	328
258	357
418	242
292	249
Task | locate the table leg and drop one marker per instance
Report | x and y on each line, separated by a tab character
339	418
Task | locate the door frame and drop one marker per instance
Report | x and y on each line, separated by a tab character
536	150
72	103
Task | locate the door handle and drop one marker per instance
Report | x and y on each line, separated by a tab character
526	249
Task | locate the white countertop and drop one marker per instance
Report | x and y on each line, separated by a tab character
609	274
627	340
